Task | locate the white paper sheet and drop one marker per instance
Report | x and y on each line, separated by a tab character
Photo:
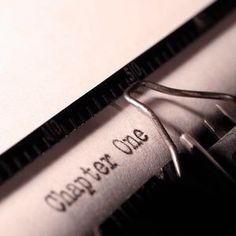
54	51
206	65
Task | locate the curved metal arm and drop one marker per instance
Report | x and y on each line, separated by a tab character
187	93
173	92
161	129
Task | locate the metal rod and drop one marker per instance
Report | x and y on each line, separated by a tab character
188	93
158	124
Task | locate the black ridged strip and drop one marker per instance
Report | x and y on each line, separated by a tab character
69	119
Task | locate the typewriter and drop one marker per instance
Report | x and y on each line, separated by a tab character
87	163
